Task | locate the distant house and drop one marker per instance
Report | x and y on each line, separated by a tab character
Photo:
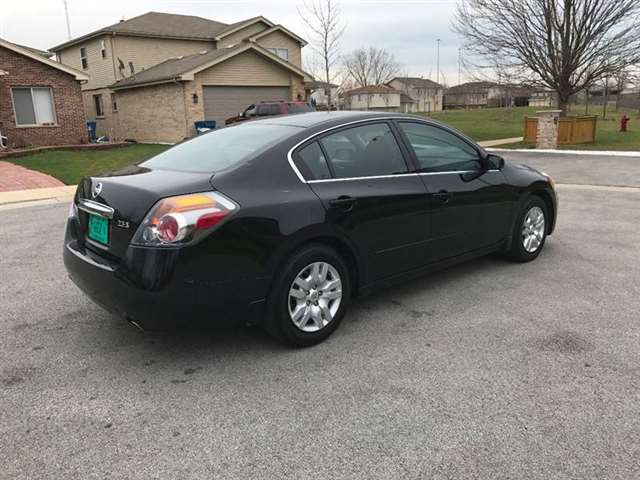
427	94
543	98
40	99
154	75
485	94
377	97
319	93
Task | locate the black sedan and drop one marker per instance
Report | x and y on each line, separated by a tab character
282	221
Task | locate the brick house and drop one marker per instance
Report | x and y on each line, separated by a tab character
154	75
40	99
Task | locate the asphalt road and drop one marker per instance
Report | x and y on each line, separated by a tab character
487	370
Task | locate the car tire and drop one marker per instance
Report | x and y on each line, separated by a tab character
304	317
529	233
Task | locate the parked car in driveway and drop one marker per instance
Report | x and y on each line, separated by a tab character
295	216
270	109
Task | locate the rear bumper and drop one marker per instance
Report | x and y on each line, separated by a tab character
154	289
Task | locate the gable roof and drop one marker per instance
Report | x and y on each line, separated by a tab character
372	89
235	27
417	82
42	59
280	28
471	87
157	24
185	67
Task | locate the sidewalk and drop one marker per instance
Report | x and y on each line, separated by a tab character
36	196
502	141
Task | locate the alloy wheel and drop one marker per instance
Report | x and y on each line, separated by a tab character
314	296
533	229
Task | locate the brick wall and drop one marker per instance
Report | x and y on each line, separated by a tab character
26	72
152	114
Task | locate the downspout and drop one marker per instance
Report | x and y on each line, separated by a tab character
116	115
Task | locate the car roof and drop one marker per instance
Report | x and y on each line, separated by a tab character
326	118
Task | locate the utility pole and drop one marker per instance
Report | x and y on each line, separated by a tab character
459	64
606	98
66	14
438	62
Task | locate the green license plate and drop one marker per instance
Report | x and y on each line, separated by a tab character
99	229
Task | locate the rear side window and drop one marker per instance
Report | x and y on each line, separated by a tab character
365	151
438	150
220	149
312	163
268	109
299	108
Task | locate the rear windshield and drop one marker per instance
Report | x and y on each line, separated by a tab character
220	149
300	108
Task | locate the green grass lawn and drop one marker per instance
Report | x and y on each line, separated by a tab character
70	166
497	123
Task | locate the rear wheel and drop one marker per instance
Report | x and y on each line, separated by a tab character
530	231
310	296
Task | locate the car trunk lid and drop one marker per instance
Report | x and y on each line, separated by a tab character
119	203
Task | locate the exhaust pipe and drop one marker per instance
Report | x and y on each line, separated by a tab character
135	324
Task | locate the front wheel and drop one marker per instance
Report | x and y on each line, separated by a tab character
530	231
310	297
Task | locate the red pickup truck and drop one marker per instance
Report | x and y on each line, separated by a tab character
266	109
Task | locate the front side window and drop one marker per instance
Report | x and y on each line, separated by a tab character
312	163
283	53
33	106
132	68
232	145
99	106
114	103
83	58
438	150
103	49
366	151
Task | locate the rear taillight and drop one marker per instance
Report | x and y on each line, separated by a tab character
183	219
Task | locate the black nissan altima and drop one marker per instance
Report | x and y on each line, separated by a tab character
282	221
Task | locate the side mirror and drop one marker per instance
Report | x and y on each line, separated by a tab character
495	161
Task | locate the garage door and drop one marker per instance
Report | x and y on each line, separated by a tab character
221	103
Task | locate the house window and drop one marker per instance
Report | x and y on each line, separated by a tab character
33	106
283	53
83	58
131	69
97	101
114	103
103	49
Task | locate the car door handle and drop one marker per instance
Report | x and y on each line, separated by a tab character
343	202
442	196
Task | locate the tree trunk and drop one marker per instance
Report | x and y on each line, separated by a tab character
563	104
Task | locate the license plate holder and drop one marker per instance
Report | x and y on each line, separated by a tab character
99	229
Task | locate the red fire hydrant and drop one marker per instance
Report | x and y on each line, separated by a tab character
623	123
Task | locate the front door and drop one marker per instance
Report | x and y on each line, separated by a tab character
470	204
370	195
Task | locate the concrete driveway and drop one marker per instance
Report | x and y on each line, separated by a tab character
487	370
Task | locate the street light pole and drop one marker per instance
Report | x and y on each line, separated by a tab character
438	62
66	14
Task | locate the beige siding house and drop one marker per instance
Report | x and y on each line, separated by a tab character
377	97
154	75
427	95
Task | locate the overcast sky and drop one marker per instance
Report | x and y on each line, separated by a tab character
407	28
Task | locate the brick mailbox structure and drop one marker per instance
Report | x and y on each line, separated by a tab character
40	99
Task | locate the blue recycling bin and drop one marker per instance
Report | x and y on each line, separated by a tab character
91	131
204	126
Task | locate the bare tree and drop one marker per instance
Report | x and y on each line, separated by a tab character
372	66
565	45
326	26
